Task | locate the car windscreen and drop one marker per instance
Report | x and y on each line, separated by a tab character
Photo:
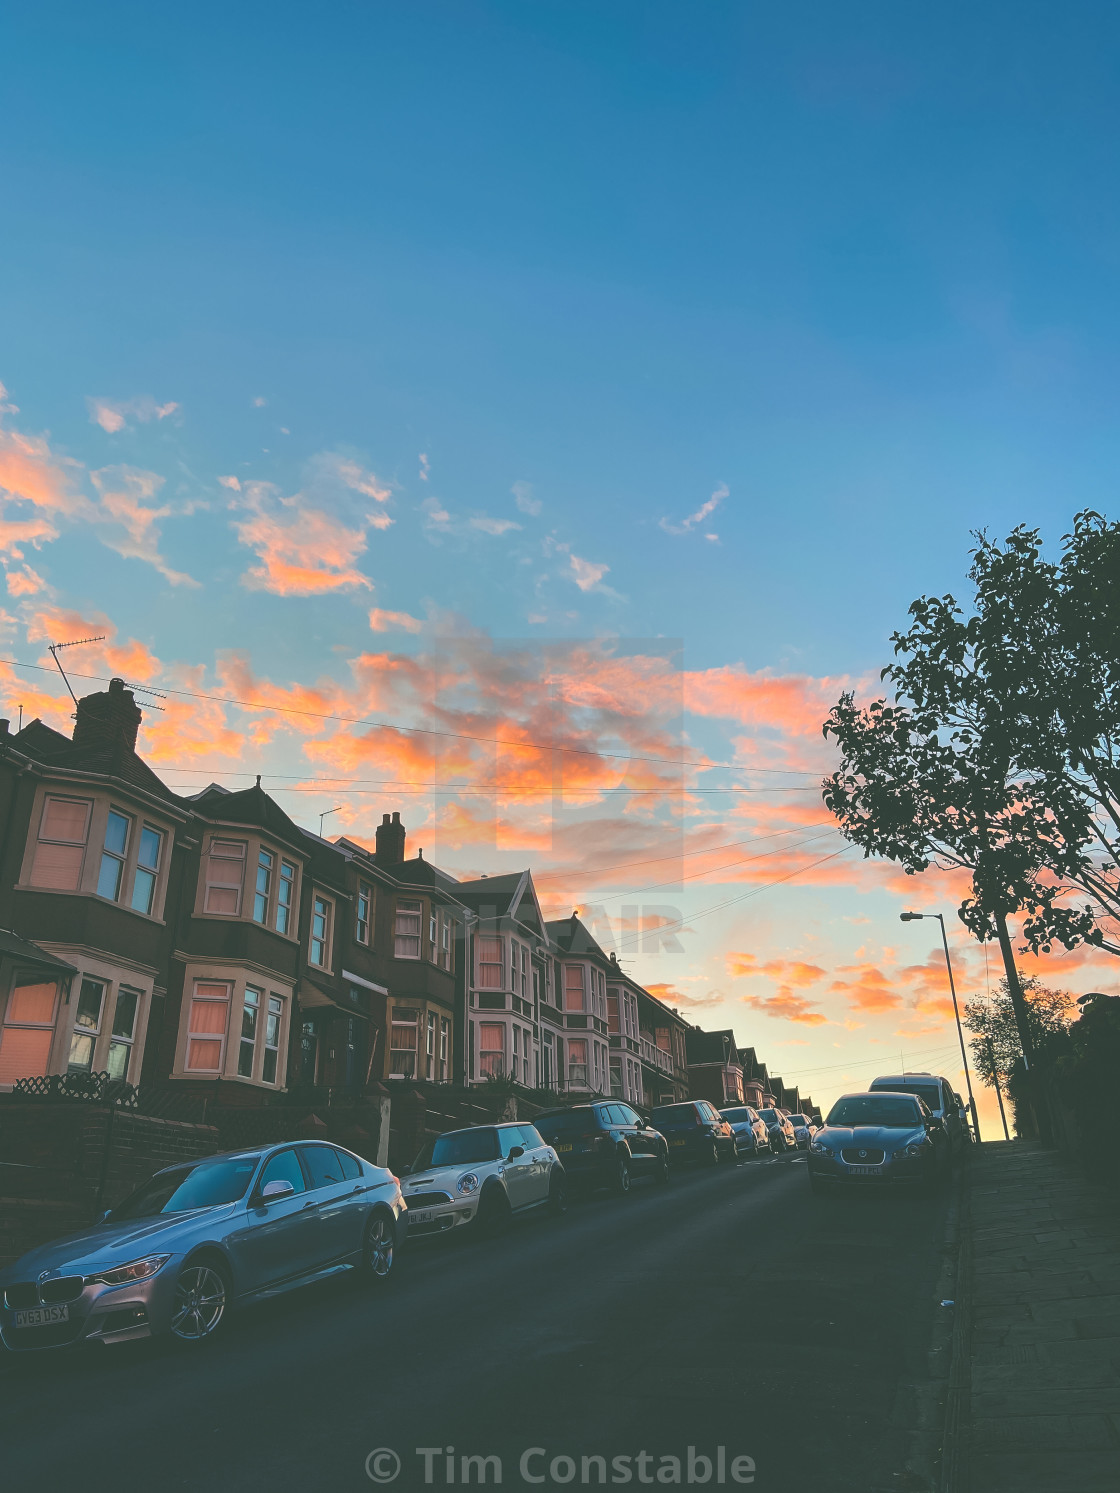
736	1116
673	1116
462	1148
769	1116
571	1122
928	1093
798	1120
206	1185
876	1109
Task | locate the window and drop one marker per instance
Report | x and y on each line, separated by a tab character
285	897
110	875
283	1167
573	992
444	1044
430	1045
433	936
25	1041
515	1067
263	887
147	869
250	1015
272	1028
402	1042
62	843
406	933
87	1026
445	940
489	962
364	910
123	1032
321	933
577	1061
208	1023
323	1166
612	1011
491	1049
225	876
351	1166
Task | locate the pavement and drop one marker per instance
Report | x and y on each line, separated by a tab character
730	1309
1040	1387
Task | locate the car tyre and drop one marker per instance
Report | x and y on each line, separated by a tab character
621	1180
662	1173
202	1300
378	1247
557	1196
494	1211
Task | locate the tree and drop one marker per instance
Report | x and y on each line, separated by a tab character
1000	754
995	1044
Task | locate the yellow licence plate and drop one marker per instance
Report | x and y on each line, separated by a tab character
567	1146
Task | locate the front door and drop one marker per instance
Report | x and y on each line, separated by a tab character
336	1205
517	1173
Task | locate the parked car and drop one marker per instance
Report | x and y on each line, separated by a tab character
605	1145
803	1130
751	1135
200	1239
484	1174
696	1131
878	1139
966	1118
779	1130
936	1094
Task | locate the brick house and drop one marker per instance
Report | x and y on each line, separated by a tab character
714	1071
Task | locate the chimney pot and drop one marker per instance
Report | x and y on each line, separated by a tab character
389	841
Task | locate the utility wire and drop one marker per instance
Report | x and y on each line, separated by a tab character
431	731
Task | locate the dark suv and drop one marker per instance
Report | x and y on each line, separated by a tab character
696	1131
604	1145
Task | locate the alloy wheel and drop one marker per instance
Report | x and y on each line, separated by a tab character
622	1175
200	1303
379	1247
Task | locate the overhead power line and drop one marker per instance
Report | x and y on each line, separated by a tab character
541	746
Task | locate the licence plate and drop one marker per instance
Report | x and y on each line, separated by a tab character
864	1171
421	1215
678	1143
41	1316
566	1146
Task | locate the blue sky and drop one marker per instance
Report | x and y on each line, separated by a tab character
852	269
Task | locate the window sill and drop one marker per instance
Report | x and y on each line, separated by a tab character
251	1083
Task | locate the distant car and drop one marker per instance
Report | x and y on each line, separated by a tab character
878	1139
606	1144
966	1118
482	1175
751	1135
936	1094
779	1129
198	1240
696	1131
803	1130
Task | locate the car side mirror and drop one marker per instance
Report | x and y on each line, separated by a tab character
272	1191
515	1152
104	1217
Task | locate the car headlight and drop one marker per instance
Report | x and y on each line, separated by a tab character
467	1183
123	1275
915	1148
818	1146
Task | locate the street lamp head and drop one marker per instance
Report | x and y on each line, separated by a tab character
910	917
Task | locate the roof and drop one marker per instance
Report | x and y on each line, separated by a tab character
254	806
571	937
107	758
23	951
710	1047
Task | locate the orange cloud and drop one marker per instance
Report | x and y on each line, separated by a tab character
24	582
301	551
382	621
785	1006
125	492
867	989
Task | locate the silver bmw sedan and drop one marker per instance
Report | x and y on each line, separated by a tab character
200	1239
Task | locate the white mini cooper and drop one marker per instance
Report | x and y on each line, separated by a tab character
483	1175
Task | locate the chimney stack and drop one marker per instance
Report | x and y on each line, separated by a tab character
110	718
389	849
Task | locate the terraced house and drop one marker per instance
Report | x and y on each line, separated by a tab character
206	946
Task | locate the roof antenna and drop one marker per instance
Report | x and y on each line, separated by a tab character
77	643
323	816
145	689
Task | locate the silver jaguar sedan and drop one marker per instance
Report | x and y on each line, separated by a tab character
201	1238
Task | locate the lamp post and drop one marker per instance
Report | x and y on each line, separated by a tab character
912	917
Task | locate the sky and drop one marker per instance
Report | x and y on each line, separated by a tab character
590	387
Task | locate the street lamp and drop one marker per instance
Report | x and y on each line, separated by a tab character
912	917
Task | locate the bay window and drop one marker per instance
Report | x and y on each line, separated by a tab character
285	897
433	935
574	991
364	913
110	875
250	1015
273	1030
430	1047
233	1030
87	1026
263	889
225	876
403	1034
208	1023
490	962
444	1045
407	928
122	1033
147	869
577	1062
446	921
491	1049
322	912
61	845
28	1030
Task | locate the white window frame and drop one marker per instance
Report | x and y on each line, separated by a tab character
408	907
327	940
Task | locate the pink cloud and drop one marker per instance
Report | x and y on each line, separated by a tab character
113	415
383	621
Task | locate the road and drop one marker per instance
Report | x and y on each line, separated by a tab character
731	1309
